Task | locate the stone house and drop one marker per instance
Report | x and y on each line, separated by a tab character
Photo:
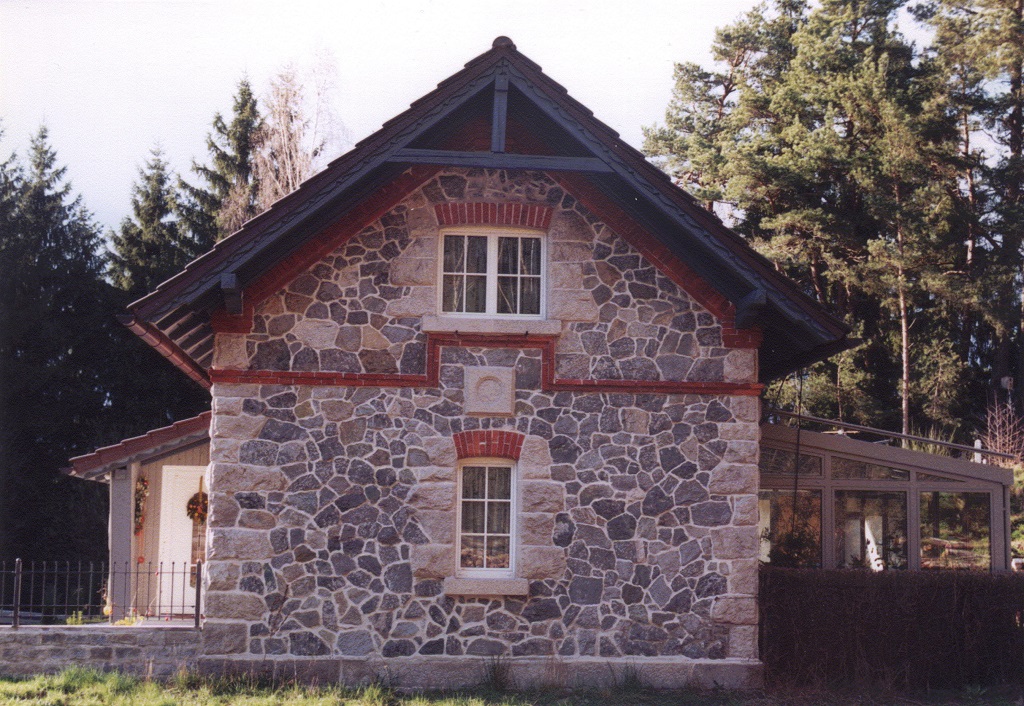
487	386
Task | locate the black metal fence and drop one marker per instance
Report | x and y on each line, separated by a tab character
70	593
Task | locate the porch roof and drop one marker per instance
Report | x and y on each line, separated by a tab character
96	465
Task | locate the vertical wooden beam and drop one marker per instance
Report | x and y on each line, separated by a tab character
119	538
500	114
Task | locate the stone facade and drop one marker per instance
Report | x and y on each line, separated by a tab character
332	524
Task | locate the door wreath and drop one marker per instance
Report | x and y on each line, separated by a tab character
198	507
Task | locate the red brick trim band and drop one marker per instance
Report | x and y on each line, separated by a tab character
498	214
436	341
496	443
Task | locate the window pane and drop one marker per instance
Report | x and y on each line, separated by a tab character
508	256
498	518
955	531
472	553
476	254
476	294
943	479
779	462
473	516
452	296
473	479
530	293
454	253
507	287
499	483
497	553
789	540
871	530
530	262
846	468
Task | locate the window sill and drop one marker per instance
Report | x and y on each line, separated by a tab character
485	587
492	324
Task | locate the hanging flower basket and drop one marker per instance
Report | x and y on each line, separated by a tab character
141	493
198	507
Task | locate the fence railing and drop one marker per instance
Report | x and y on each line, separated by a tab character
79	593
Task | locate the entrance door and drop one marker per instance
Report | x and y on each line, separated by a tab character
182	540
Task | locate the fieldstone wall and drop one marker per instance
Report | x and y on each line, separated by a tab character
157	652
332	524
359	309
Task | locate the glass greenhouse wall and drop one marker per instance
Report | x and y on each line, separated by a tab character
830	501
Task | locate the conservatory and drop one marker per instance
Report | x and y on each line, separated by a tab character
827	500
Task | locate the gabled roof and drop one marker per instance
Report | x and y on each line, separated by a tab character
96	465
533	124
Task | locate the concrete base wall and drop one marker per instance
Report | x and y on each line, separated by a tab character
444	673
146	652
161	652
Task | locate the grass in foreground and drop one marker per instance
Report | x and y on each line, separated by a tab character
83	687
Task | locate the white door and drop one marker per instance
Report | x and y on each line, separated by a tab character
176	577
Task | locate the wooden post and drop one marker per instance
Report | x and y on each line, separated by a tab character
199	589
16	618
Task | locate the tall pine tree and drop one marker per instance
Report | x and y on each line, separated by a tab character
227	197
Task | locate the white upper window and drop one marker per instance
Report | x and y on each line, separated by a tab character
492	272
486	518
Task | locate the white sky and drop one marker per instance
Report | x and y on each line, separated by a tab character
112	79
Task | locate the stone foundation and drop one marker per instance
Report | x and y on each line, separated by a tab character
145	652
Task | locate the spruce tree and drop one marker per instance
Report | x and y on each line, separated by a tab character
227	196
150	247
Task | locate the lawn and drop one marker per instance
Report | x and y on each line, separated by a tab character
81	687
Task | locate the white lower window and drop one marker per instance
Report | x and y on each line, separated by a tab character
492	273
486	518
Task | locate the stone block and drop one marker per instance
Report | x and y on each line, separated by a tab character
440	450
485	587
433	496
536	529
541	562
742	452
229	351
221	575
740	366
234	606
745	510
433	561
316	333
224	638
541	496
535	458
746	409
735	610
743	577
490	391
239	544
421	300
227	406
734	479
735	542
223	511
438	525
410	271
230	478
739	431
572	305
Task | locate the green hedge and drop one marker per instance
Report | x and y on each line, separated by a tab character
892	630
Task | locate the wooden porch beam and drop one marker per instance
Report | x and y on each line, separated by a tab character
500	160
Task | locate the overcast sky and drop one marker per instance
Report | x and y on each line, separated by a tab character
112	79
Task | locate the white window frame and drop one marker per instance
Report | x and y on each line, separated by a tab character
513	545
491	303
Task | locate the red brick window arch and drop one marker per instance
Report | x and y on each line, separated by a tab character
488	443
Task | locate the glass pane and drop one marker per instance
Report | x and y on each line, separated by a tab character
476	254
530	262
498	518
473	516
499	483
782	462
454	253
930	477
476	294
871	530
847	468
788	539
451	297
530	293
472	555
507	295
955	531
508	256
473	479
497	553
